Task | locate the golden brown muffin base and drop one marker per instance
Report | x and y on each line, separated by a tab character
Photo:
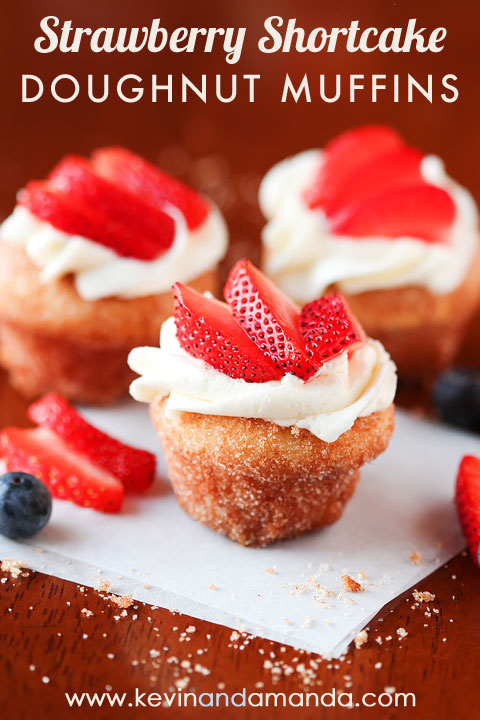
53	340
257	482
421	330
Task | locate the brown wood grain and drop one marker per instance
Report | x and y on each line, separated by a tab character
43	634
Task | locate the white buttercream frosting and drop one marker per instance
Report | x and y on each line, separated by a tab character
99	272
345	388
303	257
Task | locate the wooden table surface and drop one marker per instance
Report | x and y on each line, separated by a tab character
47	645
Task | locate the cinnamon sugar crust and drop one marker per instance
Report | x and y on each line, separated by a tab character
258	482
52	339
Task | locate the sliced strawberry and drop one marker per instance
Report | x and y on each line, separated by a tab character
269	317
395	168
329	328
418	211
345	152
65	214
468	503
68	475
150	183
207	330
134	468
75	177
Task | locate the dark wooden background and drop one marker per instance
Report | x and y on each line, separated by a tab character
224	150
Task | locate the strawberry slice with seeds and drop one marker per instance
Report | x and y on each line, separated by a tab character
66	215
207	330
396	168
329	328
343	154
269	317
417	211
468	503
75	177
133	467
68	474
149	182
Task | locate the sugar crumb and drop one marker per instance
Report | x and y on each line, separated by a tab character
424	596
102	585
14	567
360	639
351	585
123	601
415	557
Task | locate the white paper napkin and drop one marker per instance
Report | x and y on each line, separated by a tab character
292	591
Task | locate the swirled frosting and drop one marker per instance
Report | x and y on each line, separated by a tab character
99	272
345	388
303	257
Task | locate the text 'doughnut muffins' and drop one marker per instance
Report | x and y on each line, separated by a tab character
377	220
87	259
265	412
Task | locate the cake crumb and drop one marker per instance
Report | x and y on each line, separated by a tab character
212	586
360	639
415	557
14	567
102	585
423	596
270	571
351	585
123	601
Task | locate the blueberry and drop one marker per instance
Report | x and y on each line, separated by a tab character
456	397
25	505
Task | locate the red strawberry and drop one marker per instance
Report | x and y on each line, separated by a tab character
65	214
134	468
328	328
346	152
150	183
75	177
269	317
67	474
468	503
207	330
395	168
419	211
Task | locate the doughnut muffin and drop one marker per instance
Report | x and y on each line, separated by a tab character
380	222
87	259
266	412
